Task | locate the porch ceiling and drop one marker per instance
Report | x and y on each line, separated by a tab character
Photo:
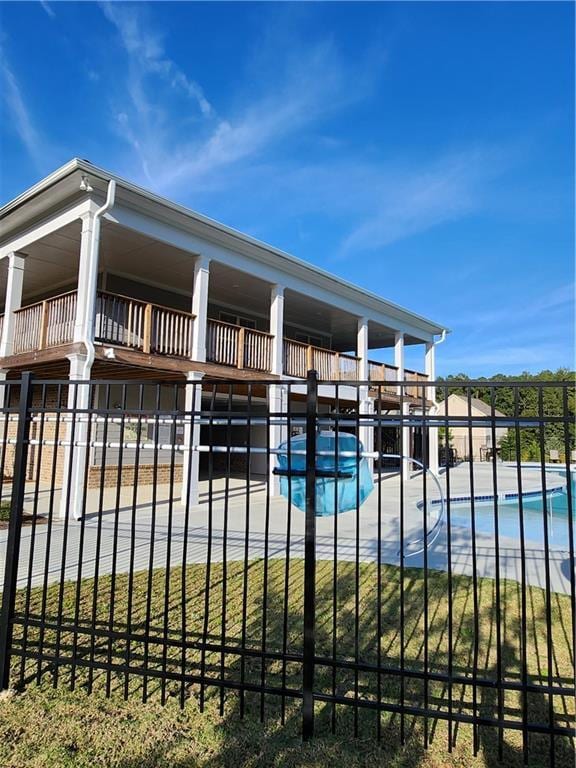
52	265
300	310
238	289
51	262
126	252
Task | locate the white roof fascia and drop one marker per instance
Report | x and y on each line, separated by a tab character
252	247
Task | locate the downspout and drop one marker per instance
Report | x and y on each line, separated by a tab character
434	409
88	330
441	339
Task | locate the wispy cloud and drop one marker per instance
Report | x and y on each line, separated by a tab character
147	57
48	8
416	200
176	147
19	115
308	92
368	205
531	332
182	145
551	302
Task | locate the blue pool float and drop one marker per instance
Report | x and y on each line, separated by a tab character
333	495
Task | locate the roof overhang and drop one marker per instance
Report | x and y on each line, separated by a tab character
63	187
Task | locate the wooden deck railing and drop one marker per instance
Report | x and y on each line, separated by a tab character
383	372
45	324
299	358
119	320
58	326
154	329
147	327
416	376
237	346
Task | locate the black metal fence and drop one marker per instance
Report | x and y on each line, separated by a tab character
300	550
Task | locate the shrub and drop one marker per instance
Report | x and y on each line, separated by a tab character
4	511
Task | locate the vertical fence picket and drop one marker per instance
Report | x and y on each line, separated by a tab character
310	558
15	529
355	625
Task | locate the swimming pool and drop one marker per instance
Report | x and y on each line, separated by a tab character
533	510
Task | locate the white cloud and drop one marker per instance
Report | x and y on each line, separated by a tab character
49	10
527	334
549	303
183	148
412	201
301	99
177	149
147	56
19	115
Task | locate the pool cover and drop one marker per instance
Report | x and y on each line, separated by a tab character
333	495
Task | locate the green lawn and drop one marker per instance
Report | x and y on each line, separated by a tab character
47	726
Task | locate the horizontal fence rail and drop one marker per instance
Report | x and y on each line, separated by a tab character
399	569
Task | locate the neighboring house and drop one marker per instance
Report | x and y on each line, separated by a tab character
159	288
482	436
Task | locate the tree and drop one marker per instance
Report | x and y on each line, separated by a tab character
523	400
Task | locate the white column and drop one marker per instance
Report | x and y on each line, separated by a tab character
366	431
277	328
14	286
82	324
277	405
3	404
3	377
200	308
405	466
277	399
76	430
430	370
399	354
74	465
362	347
191	460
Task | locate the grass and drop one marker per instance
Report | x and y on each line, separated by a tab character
51	726
4	511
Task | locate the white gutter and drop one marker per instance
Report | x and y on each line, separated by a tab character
442	338
88	329
289	263
435	403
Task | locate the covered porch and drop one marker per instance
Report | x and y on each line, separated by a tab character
155	300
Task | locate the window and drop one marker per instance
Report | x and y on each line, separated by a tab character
316	341
245	322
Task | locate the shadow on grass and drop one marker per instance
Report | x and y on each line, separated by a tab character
261	607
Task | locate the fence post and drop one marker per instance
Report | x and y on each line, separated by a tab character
309	649
14	530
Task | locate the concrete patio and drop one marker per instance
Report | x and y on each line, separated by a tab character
145	527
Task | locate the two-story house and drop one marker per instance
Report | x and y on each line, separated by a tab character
101	279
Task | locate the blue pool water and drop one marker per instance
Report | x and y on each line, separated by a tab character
533	509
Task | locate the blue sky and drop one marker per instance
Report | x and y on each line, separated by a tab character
422	150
